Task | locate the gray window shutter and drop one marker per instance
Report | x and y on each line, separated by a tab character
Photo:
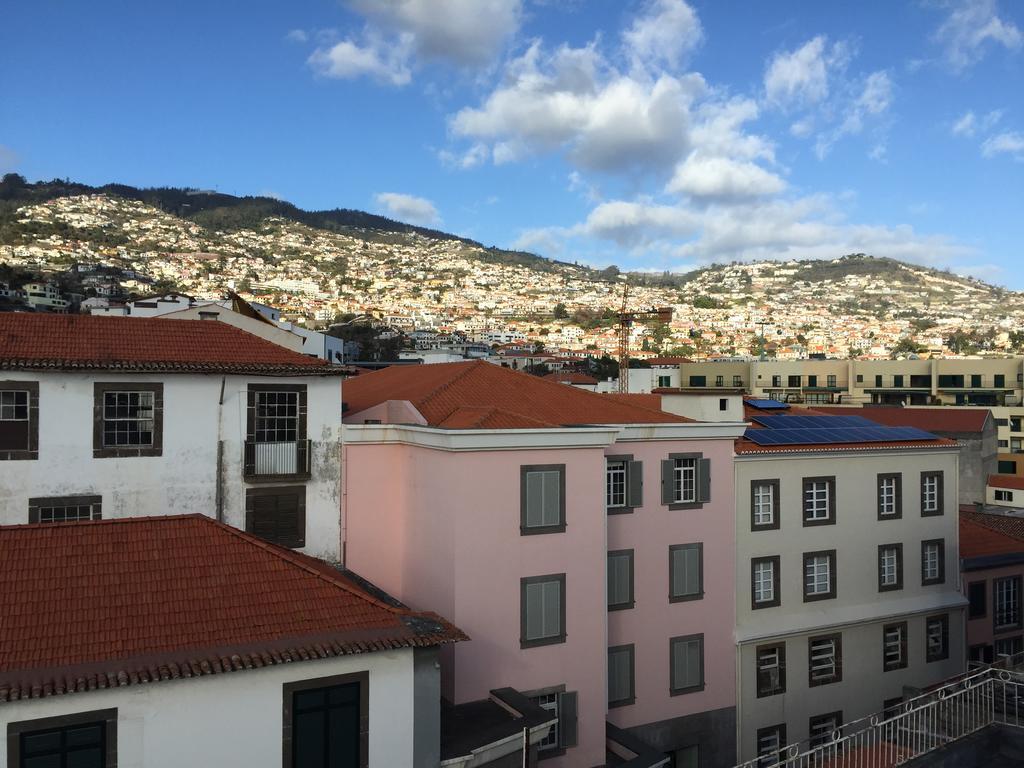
534	498
552	608
941	493
567	719
704	469
636	484
534	610
667	481
552	498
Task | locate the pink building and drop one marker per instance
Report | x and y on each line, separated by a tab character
583	542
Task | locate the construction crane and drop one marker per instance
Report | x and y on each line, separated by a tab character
626	320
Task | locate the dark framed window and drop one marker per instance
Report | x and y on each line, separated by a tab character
819	575
64	509
685	481
542	610
83	740
977	596
936	631
563	705
685	572
981	653
771	740
326	722
771	669
620	580
19	420
723	404
890	567
128	420
824	659
765	505
765	589
276	444
1006	603
686	664
932	494
776	380
542	498
894	646
624	484
1008	646
823	728
1006	467
621	675
719	381
277	514
819	502
794	380
890	496
933	562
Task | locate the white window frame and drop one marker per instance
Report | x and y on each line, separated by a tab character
823	666
817	501
930	493
684	480
931	569
616	479
764	494
1006	602
764	581
814	569
889	575
887	497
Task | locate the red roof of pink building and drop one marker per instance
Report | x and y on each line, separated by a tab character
947	419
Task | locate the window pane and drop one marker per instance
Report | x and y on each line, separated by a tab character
343	737
534	498
552	608
552	502
534	611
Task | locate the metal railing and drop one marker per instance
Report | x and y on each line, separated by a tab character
905	732
279	459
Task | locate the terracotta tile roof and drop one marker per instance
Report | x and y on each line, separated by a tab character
151	344
439	390
1014	482
947	419
986	534
651	401
134	600
571	377
471	417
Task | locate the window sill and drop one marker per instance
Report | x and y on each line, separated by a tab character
620	510
686	598
932	582
684	691
686	505
540	529
890	588
275	478
815	598
1007	628
769	694
18	455
622	606
819	683
765	527
622	703
125	453
771	604
543	641
814	523
937	513
895	668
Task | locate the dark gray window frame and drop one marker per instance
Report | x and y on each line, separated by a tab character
779	729
630	650
554	639
899	567
941	493
776	562
106	716
903	646
941	579
37	503
31	453
702	494
627	553
781	647
699	546
528	530
567	725
835	717
837	639
831	519
898	476
943	620
673	691
290	689
634	495
833	576
99	451
278	490
776	505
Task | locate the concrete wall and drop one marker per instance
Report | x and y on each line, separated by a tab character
183	480
235	719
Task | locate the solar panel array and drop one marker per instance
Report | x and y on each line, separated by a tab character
813	422
831	436
767	405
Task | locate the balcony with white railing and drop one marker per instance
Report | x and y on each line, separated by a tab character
276	460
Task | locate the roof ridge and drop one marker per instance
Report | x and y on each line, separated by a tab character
450	382
973	517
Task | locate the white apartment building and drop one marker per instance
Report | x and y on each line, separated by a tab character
44	296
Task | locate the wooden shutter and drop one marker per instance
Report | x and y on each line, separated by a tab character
277	516
567	719
704	480
635	483
667	481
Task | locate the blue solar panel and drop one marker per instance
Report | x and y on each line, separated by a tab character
822	436
813	422
767	405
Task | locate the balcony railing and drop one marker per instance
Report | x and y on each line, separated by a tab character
274	460
965	705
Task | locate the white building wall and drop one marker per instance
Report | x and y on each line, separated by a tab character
184	479
236	718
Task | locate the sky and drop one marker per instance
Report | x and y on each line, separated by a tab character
650	134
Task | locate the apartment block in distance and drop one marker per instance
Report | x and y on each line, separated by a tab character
583	541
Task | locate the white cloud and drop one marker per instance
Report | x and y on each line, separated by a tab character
801	77
382	60
970	124
417	210
1006	143
874	96
664	34
970	26
296	36
632	224
722	178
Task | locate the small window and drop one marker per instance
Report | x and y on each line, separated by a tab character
65	509
890	496
615	484
933	562
931	493
771	670
86	739
894	646
19	420
719	381
819	575
325	722
723	404
823	729
770	742
698	381
737	380
1004	495
819	501
542	498
624	484
686	572
621	676
890	567
685	481
1003	443
542	613
794	381
127	420
776	381
936	629
686	664
277	515
1007	467
664	381
1008	647
825	660
1006	601
977	595
830	381
620	579
764	582
562	705
765	503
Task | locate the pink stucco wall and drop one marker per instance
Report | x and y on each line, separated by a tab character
980	630
649	531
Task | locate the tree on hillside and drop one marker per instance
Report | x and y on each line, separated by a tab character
560	312
905	346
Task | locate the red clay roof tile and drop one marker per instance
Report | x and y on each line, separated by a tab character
946	419
1014	482
987	534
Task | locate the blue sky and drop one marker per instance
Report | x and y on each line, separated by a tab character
653	134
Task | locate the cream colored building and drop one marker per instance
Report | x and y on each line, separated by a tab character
846	584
